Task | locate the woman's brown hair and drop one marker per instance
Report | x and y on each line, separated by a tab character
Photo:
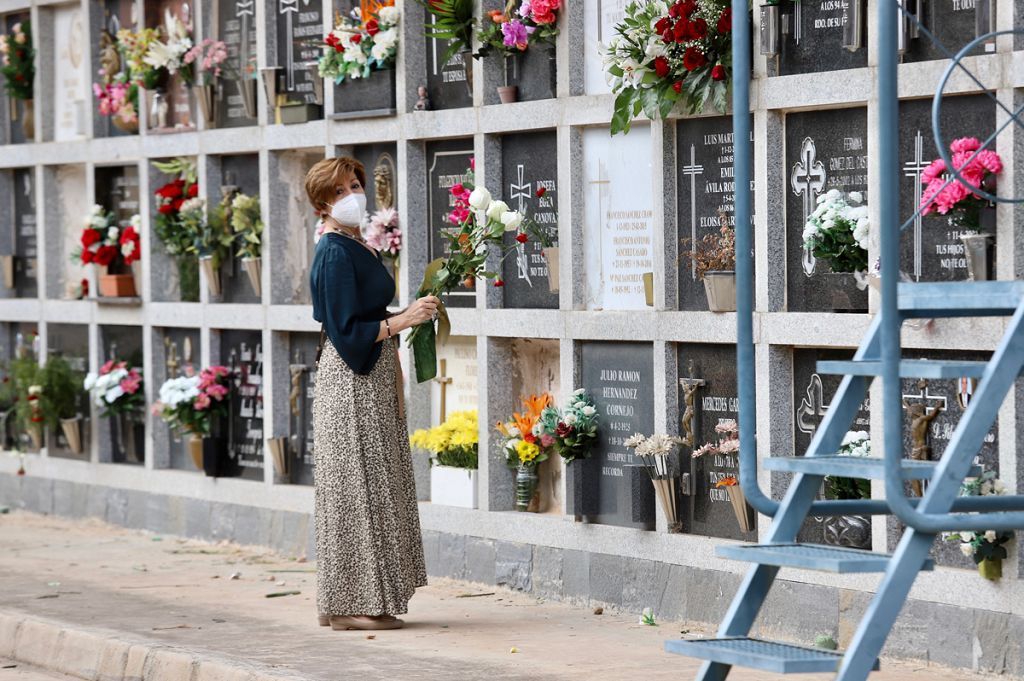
324	177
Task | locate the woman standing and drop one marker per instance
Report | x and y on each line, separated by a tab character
368	546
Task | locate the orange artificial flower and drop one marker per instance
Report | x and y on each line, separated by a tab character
536	405
524	422
729	481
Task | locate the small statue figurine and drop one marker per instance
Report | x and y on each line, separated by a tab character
383	183
423	104
920	421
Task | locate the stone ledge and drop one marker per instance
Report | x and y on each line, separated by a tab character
111	656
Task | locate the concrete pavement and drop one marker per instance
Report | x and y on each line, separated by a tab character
98	601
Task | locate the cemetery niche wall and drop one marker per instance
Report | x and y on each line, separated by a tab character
621	207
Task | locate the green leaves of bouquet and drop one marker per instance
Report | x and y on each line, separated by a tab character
453	21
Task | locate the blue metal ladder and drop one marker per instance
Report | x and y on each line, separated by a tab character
879	355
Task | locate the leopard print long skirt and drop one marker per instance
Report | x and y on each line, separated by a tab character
369	551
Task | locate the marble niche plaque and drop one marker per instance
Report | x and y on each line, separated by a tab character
242	354
70	341
446	83
535	370
812	395
170	105
619	224
70	80
941	405
456	387
529	162
26	278
301	382
295	225
952	24
709	373
172	357
616	489
300	26
241	171
236	26
706	191
123	343
824	150
447	162
815	39
600	18
930	248
117	189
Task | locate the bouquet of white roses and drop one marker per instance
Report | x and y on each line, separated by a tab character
837	231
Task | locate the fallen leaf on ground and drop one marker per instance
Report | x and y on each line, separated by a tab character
599	610
513	649
235	575
370	637
283	593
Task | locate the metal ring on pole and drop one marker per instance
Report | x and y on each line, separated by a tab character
937	110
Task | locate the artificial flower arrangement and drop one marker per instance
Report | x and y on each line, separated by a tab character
986	549
167	52
654	453
247	225
664	54
478	225
453	22
837	231
357	45
134	47
191	403
207	59
573	429
525	446
947	195
106	244
512	30
714	263
123	70
855	443
116	388
382	233
17	57
176	233
27	392
728	444
454	443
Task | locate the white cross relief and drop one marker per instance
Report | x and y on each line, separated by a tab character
913	169
692	171
521	191
811	406
602	183
808	180
289	8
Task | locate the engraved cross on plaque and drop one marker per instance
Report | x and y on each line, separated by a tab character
602	183
692	171
913	169
807	181
289	8
444	380
521	191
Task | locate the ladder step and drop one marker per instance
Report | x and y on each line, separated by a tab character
868	468
960	298
909	368
771	656
839	560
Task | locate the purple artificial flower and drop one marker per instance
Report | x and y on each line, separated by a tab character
516	34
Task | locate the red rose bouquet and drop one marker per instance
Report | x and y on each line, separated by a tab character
106	244
177	233
664	54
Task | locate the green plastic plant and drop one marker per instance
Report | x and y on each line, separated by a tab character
25	374
247	224
454	21
216	237
62	387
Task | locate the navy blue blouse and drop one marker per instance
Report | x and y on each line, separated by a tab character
351	290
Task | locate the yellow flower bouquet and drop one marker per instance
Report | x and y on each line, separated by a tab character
454	443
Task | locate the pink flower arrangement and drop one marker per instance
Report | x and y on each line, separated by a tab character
729	443
516	34
210	55
383	234
977	171
191	403
115	99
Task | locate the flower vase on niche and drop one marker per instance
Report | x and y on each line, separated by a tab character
509	93
105	243
196	406
657	455
158	109
715	259
454	447
526	487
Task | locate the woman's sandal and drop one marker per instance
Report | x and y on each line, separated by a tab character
362	622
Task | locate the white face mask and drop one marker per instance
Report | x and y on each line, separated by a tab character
349	211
